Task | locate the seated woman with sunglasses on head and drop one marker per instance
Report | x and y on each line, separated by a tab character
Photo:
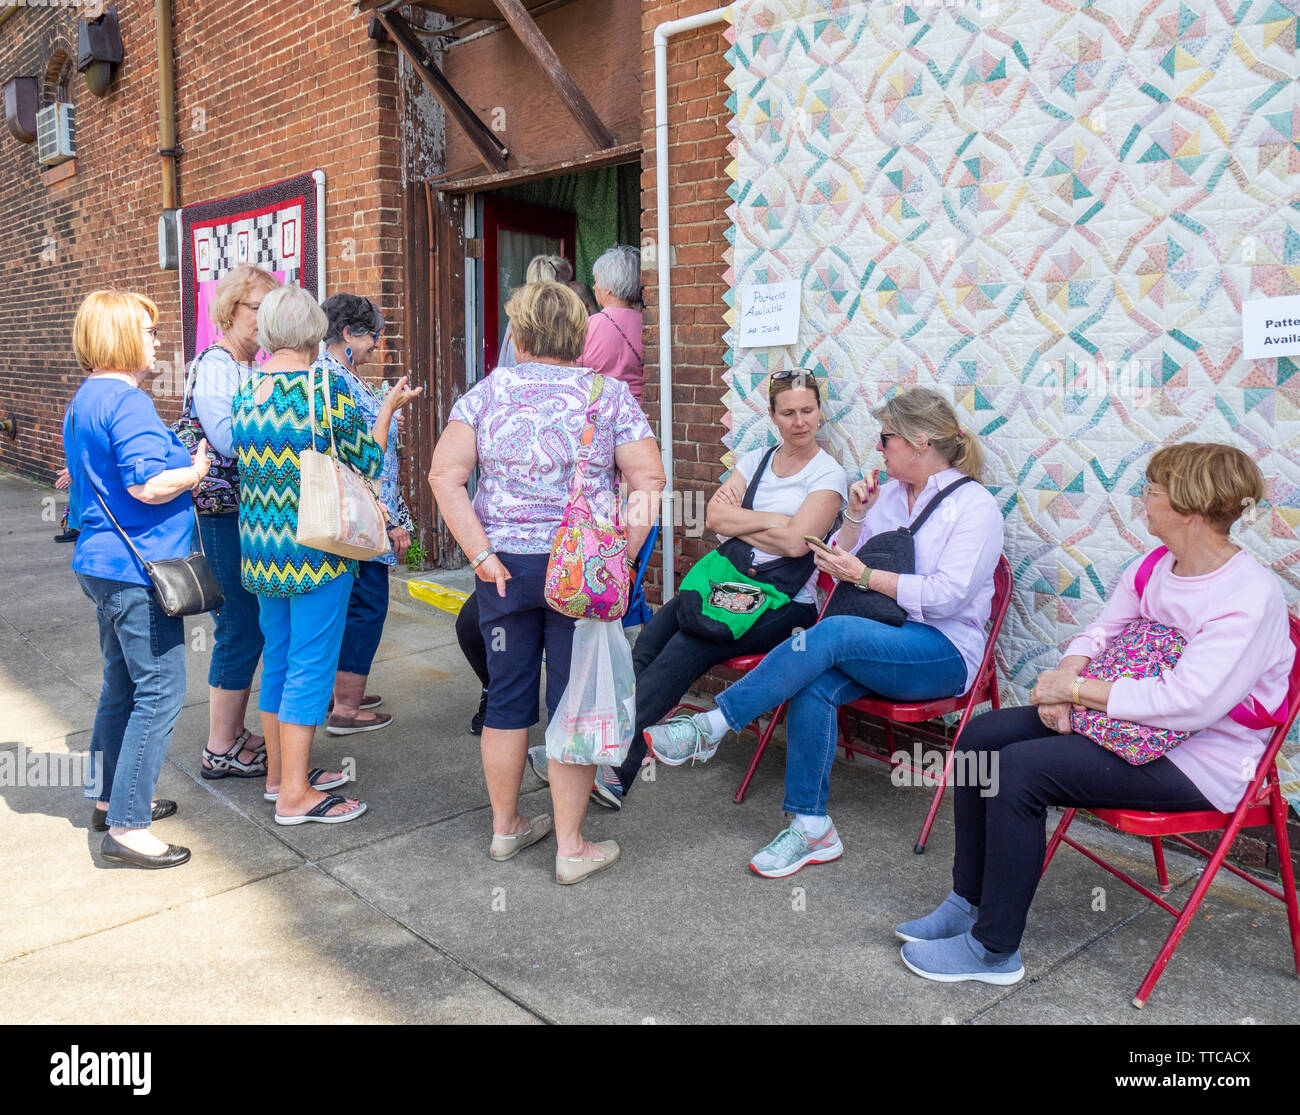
934	651
800	489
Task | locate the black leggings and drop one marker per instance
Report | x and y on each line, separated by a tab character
1002	838
667	661
471	638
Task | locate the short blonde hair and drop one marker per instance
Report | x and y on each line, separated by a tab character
920	415
106	334
234	287
1217	482
554	269
548	319
290	318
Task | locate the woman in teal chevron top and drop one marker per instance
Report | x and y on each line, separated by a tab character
302	592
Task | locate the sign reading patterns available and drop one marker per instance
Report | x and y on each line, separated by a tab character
769	314
1270	327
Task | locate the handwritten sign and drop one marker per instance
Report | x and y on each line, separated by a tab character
769	314
1270	327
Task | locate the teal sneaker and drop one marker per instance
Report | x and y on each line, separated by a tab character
679	739
792	849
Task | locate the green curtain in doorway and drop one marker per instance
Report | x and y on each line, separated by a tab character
607	203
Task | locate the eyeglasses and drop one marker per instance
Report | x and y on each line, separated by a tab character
884	438
793	373
1146	488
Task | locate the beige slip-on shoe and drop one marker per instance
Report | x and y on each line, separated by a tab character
507	847
573	869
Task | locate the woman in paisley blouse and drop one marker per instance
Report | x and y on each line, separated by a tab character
303	592
521	427
351	341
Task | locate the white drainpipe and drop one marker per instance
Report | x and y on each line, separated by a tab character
664	256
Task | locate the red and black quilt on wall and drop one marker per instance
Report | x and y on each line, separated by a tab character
276	228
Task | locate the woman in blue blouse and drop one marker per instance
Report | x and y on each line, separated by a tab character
353	336
122	460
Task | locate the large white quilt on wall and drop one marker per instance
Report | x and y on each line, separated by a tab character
1052	212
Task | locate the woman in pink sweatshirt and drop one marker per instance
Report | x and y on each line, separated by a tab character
1226	688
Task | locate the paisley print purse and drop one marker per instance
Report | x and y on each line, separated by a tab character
1144	649
1147	649
587	576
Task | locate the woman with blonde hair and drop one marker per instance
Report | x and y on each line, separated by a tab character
131	478
214	376
1224	694
541	269
929	643
522	428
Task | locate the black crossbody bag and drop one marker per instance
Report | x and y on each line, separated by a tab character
182	586
894	551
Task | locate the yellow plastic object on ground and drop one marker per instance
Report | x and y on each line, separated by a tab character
450	600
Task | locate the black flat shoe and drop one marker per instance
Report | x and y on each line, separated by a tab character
161	808
476	725
120	853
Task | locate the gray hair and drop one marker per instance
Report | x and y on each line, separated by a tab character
618	270
290	318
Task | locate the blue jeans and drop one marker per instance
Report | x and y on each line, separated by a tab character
367	610
303	634
841	659
142	695
237	640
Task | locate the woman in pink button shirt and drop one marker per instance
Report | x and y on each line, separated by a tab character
1230	610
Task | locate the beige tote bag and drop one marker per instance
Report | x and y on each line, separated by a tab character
338	511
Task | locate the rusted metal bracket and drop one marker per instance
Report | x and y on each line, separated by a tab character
491	150
523	25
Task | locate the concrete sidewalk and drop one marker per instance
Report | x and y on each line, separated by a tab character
402	917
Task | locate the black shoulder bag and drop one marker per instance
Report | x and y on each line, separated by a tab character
893	551
183	586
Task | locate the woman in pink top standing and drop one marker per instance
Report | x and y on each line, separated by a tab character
1238	651
613	345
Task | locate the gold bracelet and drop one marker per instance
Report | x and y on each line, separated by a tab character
1074	693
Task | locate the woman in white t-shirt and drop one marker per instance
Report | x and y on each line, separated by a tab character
934	652
800	492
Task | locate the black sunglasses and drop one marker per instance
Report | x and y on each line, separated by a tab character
884	438
792	373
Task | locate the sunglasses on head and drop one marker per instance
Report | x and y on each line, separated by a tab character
793	373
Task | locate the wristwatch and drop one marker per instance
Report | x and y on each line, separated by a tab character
864	582
480	559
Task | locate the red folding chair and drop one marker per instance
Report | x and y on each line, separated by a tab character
1262	804
984	688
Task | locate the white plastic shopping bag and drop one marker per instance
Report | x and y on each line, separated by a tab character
594	720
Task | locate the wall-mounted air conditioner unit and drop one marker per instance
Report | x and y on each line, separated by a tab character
55	134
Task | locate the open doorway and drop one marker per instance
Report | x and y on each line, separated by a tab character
577	216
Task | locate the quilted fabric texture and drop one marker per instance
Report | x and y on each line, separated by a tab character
1050	211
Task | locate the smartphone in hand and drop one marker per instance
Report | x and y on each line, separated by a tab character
817	544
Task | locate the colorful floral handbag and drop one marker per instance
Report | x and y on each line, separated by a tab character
218	492
587	576
1144	649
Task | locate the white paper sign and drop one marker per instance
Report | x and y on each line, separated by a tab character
769	314
1270	327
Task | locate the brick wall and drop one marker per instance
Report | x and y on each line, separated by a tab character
263	93
697	145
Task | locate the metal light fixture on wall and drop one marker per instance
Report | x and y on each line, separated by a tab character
99	51
21	94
